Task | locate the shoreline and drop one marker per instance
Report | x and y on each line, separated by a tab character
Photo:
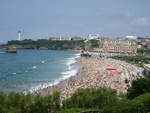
92	74
46	88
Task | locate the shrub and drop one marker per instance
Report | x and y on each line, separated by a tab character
91	98
20	103
140	104
139	86
72	110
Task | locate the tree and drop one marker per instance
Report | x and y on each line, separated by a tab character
49	44
139	87
94	43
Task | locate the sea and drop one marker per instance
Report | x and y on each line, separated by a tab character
33	69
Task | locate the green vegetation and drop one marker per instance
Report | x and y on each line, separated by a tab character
140	104
91	44
54	44
72	110
103	100
138	60
49	44
143	51
94	43
138	99
91	98
139	87
20	103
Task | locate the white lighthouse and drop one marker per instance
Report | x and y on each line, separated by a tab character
19	35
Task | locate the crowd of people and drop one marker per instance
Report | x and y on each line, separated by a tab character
94	73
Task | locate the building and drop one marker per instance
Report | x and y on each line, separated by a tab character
131	37
101	40
54	38
118	46
76	38
93	36
65	38
60	38
144	42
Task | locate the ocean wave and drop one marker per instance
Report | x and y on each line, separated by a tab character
64	75
14	73
34	67
70	73
43	61
42	86
72	60
77	55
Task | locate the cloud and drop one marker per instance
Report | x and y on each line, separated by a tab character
141	21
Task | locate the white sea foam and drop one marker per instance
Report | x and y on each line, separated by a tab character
71	72
14	73
72	60
43	62
34	67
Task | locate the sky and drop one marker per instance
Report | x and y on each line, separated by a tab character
44	18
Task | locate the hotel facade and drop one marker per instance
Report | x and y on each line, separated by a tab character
118	46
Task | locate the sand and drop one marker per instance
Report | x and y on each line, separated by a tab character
93	73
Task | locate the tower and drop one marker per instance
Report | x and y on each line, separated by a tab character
19	35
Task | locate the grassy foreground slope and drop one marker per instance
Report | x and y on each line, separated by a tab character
104	100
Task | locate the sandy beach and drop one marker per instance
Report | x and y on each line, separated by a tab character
97	72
